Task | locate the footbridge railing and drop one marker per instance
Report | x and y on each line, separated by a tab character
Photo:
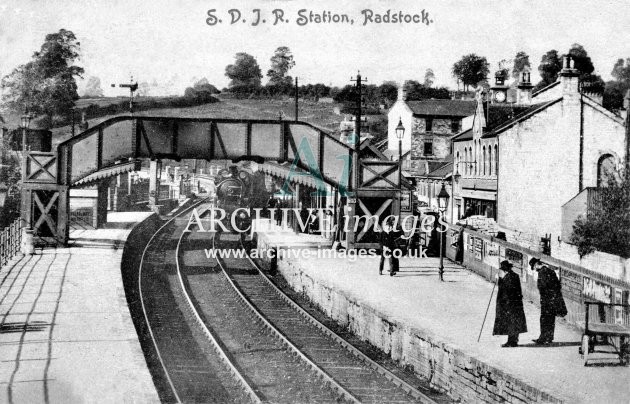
119	143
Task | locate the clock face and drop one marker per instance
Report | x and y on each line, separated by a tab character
499	96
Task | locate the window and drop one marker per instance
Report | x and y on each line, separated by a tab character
606	173
429	124
485	161
455	126
496	160
428	148
491	161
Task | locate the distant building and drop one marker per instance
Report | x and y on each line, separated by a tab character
430	125
554	153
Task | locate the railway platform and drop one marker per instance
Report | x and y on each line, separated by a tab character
433	327
66	335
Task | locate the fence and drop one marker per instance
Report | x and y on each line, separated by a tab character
482	254
10	241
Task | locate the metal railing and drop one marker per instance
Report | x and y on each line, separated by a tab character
10	241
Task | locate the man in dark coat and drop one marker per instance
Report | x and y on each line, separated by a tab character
551	301
510	316
388	245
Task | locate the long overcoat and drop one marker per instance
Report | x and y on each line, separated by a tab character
510	316
551	301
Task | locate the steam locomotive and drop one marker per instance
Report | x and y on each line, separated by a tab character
240	189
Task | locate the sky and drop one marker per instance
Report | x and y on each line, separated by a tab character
171	42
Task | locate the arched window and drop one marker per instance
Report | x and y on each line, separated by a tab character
606	170
465	166
476	153
496	159
490	160
485	160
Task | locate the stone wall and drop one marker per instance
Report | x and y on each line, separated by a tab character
446	367
441	146
581	280
538	170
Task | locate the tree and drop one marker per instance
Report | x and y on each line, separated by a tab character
429	78
416	91
607	226
615	90
244	74
590	81
471	70
549	67
621	71
93	88
521	62
388	92
46	84
281	63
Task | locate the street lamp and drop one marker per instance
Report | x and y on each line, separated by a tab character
400	133
443	197
25	123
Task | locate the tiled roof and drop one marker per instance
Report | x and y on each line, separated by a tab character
534	109
455	108
465	135
535	93
497	116
442	172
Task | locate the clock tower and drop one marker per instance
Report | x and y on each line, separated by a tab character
498	92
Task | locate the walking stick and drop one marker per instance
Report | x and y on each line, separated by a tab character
487	308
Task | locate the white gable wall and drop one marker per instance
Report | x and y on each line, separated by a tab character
538	171
401	111
604	133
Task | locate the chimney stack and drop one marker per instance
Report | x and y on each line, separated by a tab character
569	77
401	93
524	92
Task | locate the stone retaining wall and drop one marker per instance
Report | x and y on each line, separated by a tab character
447	368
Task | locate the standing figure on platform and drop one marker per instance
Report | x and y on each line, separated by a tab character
388	246
510	316
551	301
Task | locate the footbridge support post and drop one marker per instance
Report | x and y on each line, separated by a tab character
154	186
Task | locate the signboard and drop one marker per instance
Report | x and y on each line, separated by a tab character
572	284
491	256
405	201
596	290
478	248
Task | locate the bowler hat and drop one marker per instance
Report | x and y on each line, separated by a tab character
533	262
505	265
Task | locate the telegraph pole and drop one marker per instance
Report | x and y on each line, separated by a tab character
357	130
132	87
296	99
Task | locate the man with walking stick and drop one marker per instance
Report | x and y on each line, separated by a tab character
551	301
510	316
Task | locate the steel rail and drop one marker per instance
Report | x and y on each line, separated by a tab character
144	311
333	383
414	392
251	392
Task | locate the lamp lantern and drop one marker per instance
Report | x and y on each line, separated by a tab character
443	197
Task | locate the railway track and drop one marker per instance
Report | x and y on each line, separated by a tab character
188	366
363	379
220	332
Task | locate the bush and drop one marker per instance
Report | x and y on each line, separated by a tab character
606	228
